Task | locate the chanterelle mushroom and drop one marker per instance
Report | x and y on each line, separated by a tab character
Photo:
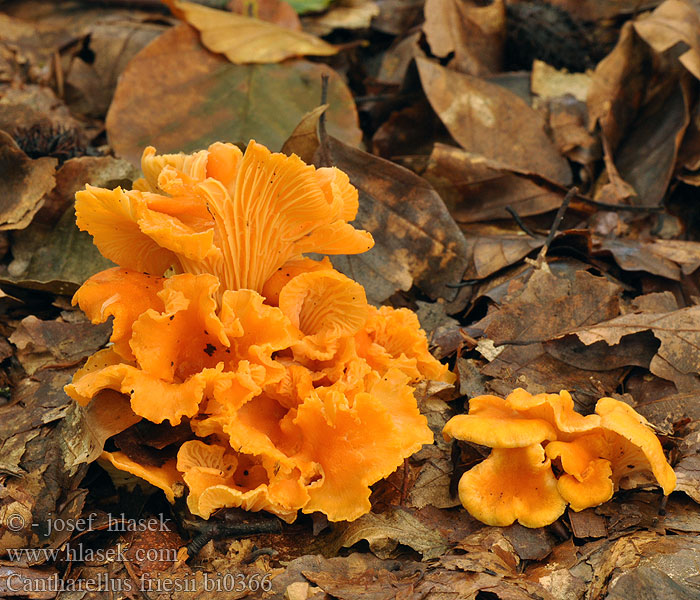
295	392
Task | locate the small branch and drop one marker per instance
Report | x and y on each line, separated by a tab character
520	223
555	226
324	157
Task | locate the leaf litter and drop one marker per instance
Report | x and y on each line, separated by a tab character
461	164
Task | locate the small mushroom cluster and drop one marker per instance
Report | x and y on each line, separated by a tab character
594	455
294	393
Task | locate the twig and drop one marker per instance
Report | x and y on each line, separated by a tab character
324	158
555	226
462	284
520	223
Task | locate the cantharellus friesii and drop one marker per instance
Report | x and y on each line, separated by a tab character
595	455
294	392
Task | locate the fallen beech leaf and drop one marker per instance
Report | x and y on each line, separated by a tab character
547	306
44	343
476	190
674	22
385	531
416	240
217	100
247	40
492	248
34	440
679	334
275	11
475	32
492	122
23	184
632	255
108	46
56	258
346	14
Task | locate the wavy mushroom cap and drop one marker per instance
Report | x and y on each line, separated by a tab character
557	409
393	337
166	476
587	478
635	452
492	422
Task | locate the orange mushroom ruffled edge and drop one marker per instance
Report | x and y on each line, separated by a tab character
293	392
595	455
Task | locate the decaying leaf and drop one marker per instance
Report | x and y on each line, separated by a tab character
489	121
385	531
346	14
476	189
473	31
56	258
546	306
23	184
678	356
416	240
217	100
244	39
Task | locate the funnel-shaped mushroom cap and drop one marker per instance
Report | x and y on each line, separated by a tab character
269	208
557	409
166	476
634	450
325	306
587	479
123	294
152	165
273	286
512	484
492	422
393	338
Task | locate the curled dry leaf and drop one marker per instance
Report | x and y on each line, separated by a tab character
217	100
678	331
475	189
474	31
246	40
417	241
346	14
23	184
490	121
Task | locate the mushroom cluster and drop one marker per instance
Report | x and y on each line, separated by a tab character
592	455
293	392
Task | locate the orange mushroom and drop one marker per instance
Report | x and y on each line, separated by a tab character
597	454
296	388
512	484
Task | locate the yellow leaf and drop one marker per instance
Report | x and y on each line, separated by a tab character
248	40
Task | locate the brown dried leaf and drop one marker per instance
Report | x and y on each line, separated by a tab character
34	435
475	32
385	532
679	334
675	22
632	255
110	42
346	14
416	240
491	249
275	11
545	307
489	121
23	184
245	40
217	100
44	343
477	190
